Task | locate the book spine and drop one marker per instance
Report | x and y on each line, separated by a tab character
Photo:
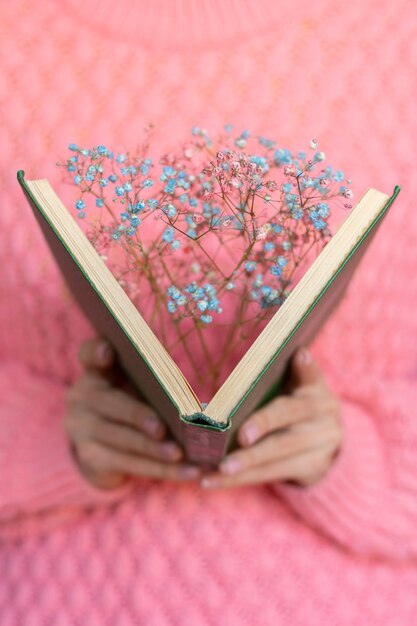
205	441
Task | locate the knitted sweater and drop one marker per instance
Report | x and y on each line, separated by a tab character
341	552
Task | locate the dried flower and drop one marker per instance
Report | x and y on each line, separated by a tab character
213	230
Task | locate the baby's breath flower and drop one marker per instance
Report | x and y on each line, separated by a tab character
236	215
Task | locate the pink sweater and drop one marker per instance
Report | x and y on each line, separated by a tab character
342	552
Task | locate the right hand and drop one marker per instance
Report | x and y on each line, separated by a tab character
113	434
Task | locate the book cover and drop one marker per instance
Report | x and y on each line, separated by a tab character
204	438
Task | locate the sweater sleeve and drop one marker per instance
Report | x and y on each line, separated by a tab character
367	501
40	483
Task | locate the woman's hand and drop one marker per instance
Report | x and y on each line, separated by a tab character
113	434
293	438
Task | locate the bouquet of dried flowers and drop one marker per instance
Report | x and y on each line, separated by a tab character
209	240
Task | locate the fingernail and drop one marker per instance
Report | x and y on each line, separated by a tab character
190	471
208	483
103	352
230	466
153	425
170	449
304	357
251	433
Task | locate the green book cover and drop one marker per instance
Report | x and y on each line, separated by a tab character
205	435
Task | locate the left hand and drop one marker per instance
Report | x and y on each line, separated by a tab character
293	438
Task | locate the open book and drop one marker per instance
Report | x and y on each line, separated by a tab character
208	434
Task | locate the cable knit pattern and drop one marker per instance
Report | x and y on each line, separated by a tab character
341	552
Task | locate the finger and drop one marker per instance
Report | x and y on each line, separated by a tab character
281	412
117	405
96	354
305	369
299	468
85	424
281	445
108	459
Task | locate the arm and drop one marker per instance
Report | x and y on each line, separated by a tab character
367	501
37	470
62	450
349	452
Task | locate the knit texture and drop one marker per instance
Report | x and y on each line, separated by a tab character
341	552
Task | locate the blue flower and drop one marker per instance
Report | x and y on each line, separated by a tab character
73	146
113	178
152	203
173	292
323	209
213	304
258	280
202	305
183	183
171	306
338	176
281	156
276	270
169	171
80	204
127	187
138	207
119	191
268	143
168	234
207	319
268	246
99	202
170	186
78	179
170	210
261	161
281	261
104	182
319	224
250	266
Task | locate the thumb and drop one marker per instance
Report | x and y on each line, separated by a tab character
305	369
96	354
